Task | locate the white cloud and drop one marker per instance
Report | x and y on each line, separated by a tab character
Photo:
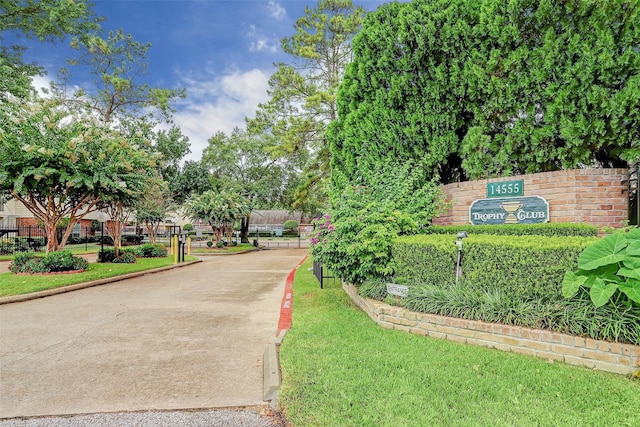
260	42
219	105
277	11
262	45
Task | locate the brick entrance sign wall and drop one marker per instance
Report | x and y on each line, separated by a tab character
597	196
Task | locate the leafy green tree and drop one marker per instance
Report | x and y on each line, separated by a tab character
485	88
67	163
152	209
238	164
560	87
119	64
118	216
303	93
193	179
46	20
173	146
219	209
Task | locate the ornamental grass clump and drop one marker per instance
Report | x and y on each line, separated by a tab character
58	261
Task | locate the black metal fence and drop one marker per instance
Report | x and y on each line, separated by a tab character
321	274
34	238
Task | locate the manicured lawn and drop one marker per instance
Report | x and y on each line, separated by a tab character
229	249
340	369
13	284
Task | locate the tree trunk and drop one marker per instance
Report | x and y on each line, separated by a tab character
52	236
244	229
67	232
152	231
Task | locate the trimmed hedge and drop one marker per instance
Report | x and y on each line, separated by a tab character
526	267
557	229
425	259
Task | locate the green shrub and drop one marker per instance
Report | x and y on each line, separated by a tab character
187	227
290	224
132	239
527	267
149	250
27	262
58	261
557	229
209	243
425	259
220	244
125	258
6	246
20	261
106	255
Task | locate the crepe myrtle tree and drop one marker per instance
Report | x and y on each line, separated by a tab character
153	209
219	209
61	162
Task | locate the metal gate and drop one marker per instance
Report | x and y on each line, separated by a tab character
321	274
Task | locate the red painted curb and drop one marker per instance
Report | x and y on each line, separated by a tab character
286	308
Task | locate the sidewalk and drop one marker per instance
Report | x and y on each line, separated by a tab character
189	338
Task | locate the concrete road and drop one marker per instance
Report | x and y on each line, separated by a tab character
188	338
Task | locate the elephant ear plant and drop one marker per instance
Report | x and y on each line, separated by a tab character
610	270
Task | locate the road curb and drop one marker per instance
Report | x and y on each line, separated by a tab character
270	358
70	288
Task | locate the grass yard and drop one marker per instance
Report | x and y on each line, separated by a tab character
226	250
13	284
340	369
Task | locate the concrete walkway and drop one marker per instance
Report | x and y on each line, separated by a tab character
188	338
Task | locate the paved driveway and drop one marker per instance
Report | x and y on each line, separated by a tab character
188	338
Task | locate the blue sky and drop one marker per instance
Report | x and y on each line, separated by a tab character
221	52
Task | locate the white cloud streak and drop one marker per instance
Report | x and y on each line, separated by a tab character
277	11
219	105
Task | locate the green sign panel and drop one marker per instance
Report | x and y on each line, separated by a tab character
509	210
505	189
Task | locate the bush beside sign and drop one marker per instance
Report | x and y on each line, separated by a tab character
511	210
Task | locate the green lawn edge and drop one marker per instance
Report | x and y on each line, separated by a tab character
14	284
340	369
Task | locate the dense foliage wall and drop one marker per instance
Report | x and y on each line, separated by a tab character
470	89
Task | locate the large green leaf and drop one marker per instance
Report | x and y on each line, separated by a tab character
633	235
571	283
631	261
630	272
633	250
631	288
608	250
601	292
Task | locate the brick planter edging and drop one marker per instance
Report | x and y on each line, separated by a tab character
601	355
